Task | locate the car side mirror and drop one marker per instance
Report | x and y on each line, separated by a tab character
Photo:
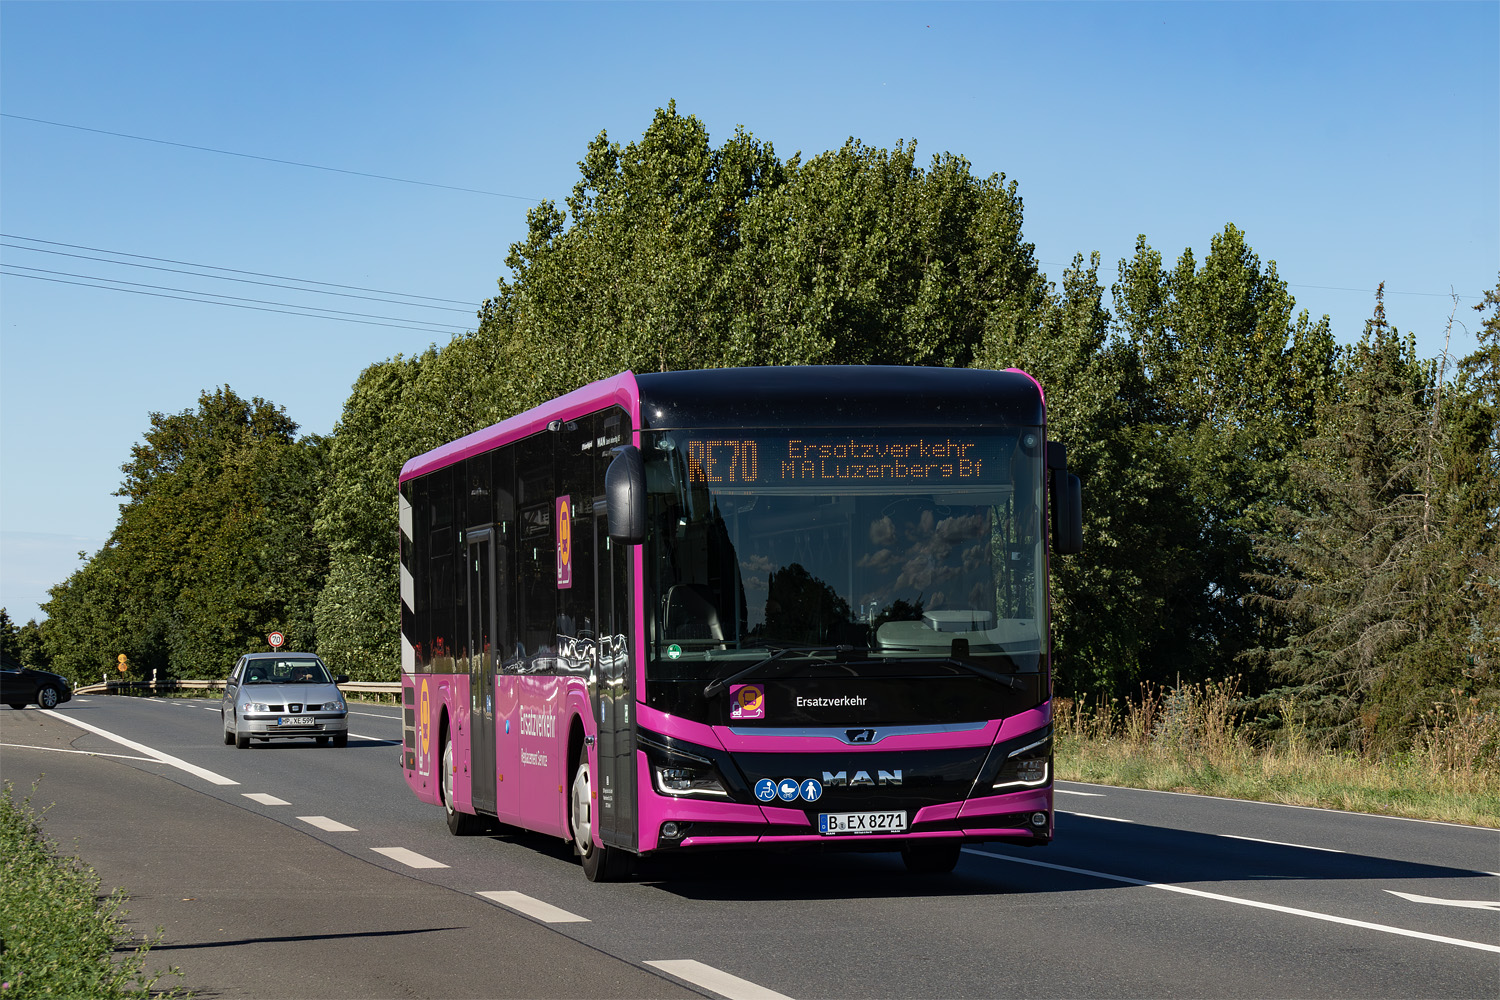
625	496
341	679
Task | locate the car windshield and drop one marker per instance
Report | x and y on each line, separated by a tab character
288	671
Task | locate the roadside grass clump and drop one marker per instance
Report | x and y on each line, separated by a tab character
58	937
1197	738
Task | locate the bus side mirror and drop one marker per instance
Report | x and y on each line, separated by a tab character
625	496
1067	502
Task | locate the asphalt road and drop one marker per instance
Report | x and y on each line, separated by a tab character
290	870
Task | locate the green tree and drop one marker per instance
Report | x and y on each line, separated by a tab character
33	650
212	550
1233	383
1386	550
10	638
675	254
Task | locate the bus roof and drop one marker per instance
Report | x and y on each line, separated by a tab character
803	396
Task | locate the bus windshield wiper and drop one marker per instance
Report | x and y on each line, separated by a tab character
718	684
1009	680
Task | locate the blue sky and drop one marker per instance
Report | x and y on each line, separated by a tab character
1353	143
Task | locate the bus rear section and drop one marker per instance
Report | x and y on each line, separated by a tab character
791	608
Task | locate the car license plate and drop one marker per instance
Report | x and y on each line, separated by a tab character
867	822
295	721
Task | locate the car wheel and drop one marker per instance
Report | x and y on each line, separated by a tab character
46	696
228	736
340	739
931	859
17	705
241	741
600	862
460	824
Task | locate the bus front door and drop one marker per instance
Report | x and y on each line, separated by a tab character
615	692
483	641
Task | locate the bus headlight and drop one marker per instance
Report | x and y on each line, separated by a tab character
1028	767
688	781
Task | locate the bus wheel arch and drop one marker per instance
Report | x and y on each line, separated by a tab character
460	824
601	863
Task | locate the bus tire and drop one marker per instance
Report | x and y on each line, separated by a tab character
931	859
601	863
460	824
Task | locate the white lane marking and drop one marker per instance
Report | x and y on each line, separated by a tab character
265	799
165	758
1112	819
716	981
522	903
377	715
1257	904
1280	843
1473	904
375	739
324	823
86	753
410	859
1068	791
1289	805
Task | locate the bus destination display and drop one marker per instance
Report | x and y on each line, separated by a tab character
766	460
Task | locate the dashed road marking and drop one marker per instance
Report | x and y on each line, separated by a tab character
1470	904
324	823
716	980
410	859
1112	819
265	799
522	903
1069	791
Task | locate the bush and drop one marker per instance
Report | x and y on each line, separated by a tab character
57	936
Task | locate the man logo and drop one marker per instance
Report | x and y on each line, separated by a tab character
860	735
861	778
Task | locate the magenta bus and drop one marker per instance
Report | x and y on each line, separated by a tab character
800	607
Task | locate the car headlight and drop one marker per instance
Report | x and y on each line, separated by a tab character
256	706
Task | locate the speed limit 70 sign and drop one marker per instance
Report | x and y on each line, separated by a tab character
276	639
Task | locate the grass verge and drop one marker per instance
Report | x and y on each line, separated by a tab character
58	936
1187	739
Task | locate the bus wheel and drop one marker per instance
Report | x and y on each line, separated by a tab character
600	862
931	859
460	824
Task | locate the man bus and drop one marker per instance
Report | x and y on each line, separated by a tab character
754	608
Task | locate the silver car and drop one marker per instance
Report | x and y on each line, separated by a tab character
275	696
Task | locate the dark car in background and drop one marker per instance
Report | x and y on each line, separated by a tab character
21	686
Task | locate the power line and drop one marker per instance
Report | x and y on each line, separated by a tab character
396	322
230	270
270	159
246	281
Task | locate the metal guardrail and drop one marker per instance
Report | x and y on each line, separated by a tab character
151	687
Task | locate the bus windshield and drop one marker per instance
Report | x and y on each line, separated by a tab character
863	547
